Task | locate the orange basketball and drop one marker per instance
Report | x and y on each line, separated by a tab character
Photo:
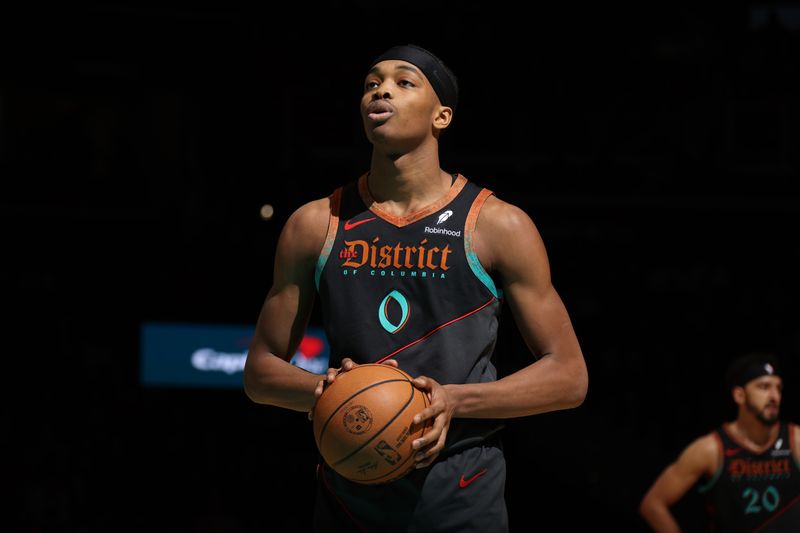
362	423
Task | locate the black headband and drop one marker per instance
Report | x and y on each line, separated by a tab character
751	367
442	80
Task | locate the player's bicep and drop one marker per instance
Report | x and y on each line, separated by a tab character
287	307
282	320
521	260
513	247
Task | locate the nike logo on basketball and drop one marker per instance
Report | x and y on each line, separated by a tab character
464	483
350	225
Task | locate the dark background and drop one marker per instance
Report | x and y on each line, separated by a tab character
656	149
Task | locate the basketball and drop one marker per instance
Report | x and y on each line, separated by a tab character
363	423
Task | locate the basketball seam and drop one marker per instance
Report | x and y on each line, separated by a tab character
377	433
382	478
425	427
333	413
403	466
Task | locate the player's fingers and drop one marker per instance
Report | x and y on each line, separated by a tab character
432	435
426	458
331	374
421	442
422	382
391	362
428	454
348	364
429	412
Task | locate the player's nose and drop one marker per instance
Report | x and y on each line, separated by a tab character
381	92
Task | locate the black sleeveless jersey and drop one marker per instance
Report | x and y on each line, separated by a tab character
755	492
410	288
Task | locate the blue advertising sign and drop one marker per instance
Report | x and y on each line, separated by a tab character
212	355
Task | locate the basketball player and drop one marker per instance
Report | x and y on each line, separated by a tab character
747	468
410	264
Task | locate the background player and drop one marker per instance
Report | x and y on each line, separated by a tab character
748	467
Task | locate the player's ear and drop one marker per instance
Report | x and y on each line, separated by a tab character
442	117
738	395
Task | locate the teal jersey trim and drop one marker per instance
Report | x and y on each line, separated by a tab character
477	269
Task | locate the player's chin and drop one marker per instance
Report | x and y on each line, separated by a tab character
375	133
769	415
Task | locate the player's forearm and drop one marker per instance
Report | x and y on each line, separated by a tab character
547	385
269	379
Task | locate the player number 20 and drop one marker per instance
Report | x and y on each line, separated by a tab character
769	500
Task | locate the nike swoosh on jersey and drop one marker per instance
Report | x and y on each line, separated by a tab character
463	483
350	225
732	451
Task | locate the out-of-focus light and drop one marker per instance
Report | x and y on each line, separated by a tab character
266	212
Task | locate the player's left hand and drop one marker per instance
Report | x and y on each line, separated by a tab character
441	411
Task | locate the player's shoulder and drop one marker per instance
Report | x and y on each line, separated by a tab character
506	239
319	207
307	225
708	441
312	211
704	449
700	456
794	431
794	438
498	215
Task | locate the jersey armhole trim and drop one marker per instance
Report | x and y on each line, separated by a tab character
469	232
333	226
790	428
704	488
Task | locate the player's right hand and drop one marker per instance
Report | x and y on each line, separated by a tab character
330	376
